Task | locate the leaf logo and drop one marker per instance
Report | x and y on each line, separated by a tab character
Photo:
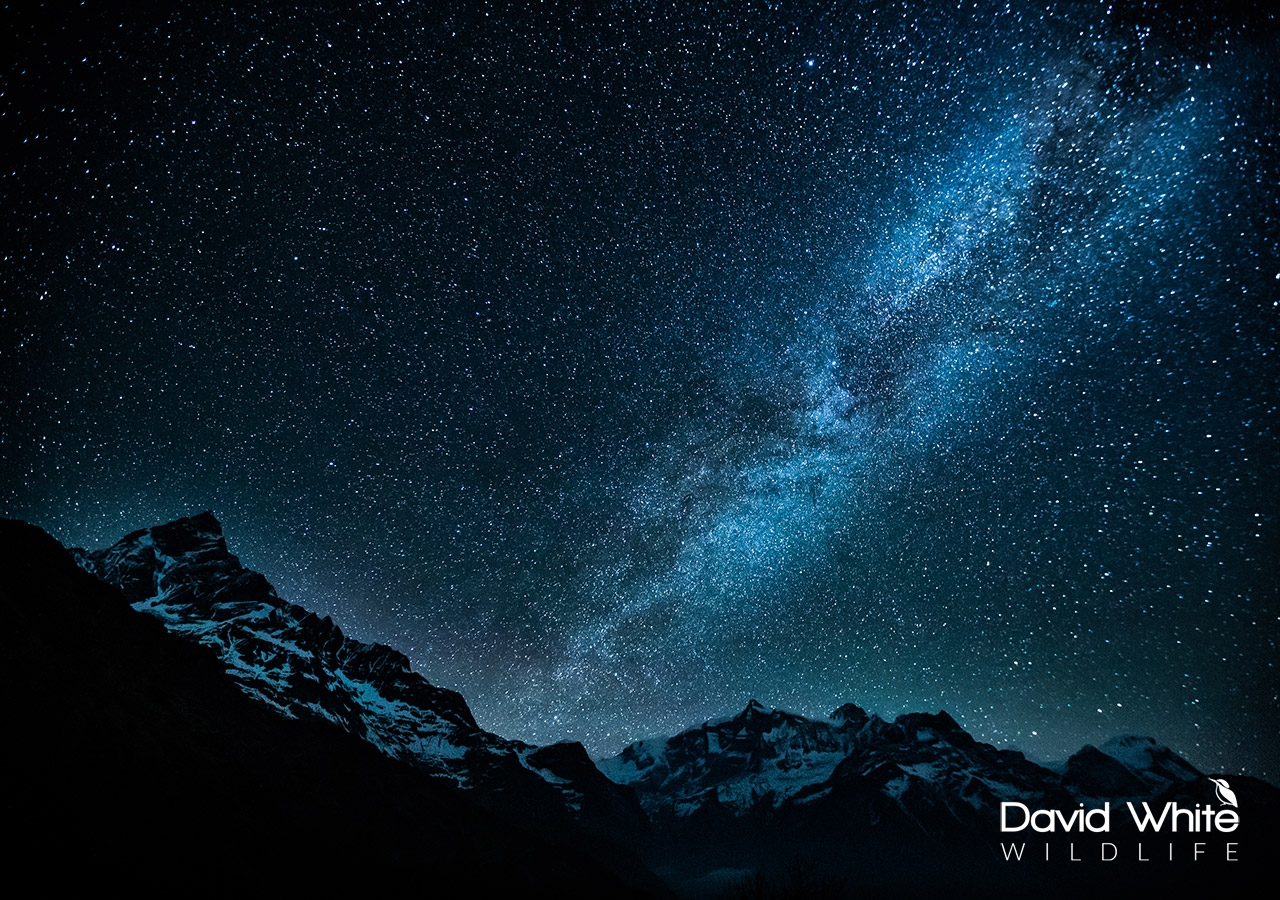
1226	796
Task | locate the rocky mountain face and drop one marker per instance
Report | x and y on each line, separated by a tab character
136	764
303	667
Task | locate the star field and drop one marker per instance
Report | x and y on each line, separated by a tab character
620	365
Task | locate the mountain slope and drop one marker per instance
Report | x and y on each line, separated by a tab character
299	664
303	667
136	763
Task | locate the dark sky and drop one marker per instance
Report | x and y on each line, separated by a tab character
621	365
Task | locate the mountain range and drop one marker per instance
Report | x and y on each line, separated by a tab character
244	696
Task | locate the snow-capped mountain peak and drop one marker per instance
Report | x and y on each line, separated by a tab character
924	765
289	658
303	666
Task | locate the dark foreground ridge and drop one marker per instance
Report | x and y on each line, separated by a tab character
137	763
172	747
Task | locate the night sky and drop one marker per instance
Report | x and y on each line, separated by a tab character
621	365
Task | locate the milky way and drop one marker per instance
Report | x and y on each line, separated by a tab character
620	366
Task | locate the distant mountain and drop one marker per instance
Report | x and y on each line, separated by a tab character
904	806
135	763
763	759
